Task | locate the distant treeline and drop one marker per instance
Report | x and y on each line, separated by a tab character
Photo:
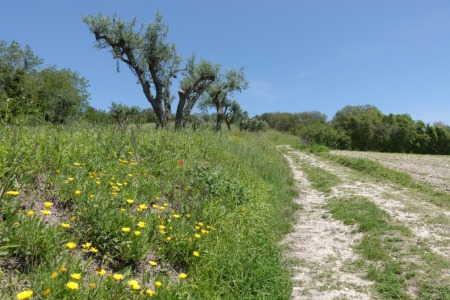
366	128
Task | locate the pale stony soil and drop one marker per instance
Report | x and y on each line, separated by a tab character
432	169
319	246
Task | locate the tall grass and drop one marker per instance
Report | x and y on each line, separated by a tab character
208	206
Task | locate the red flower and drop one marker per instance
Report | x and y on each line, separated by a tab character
181	162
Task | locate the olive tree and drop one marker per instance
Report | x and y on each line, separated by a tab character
225	85
154	61
232	112
198	77
121	112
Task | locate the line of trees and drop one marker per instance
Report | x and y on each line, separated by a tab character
124	115
366	128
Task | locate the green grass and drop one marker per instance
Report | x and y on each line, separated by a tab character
320	179
389	254
381	173
227	196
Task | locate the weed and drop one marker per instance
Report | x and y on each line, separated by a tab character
206	209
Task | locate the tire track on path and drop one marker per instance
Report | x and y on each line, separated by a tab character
320	246
410	211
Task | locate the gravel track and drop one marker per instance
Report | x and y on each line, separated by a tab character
321	245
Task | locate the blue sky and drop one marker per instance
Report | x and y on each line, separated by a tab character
299	55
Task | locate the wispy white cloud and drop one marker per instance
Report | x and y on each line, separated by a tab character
266	92
307	73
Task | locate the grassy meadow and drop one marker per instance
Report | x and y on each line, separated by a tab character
101	212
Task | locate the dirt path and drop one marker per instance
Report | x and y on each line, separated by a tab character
321	247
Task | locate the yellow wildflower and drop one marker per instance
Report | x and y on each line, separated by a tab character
93	250
143	206
126	229
137	233
130	201
92	285
149	292
101	271
76	276
141	225
72	285
134	284
76	164
65	225
91	196
183	276
47	292
46	212
158	283
63	269
153	263
30	213
70	179
13	193
71	245
48	204
197	235
117	276
87	245
54	274
196	254
77	192
176	216
24	294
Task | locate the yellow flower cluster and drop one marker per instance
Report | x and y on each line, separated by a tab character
171	226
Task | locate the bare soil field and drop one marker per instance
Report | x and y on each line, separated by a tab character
431	169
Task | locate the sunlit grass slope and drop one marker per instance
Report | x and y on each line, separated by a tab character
97	213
